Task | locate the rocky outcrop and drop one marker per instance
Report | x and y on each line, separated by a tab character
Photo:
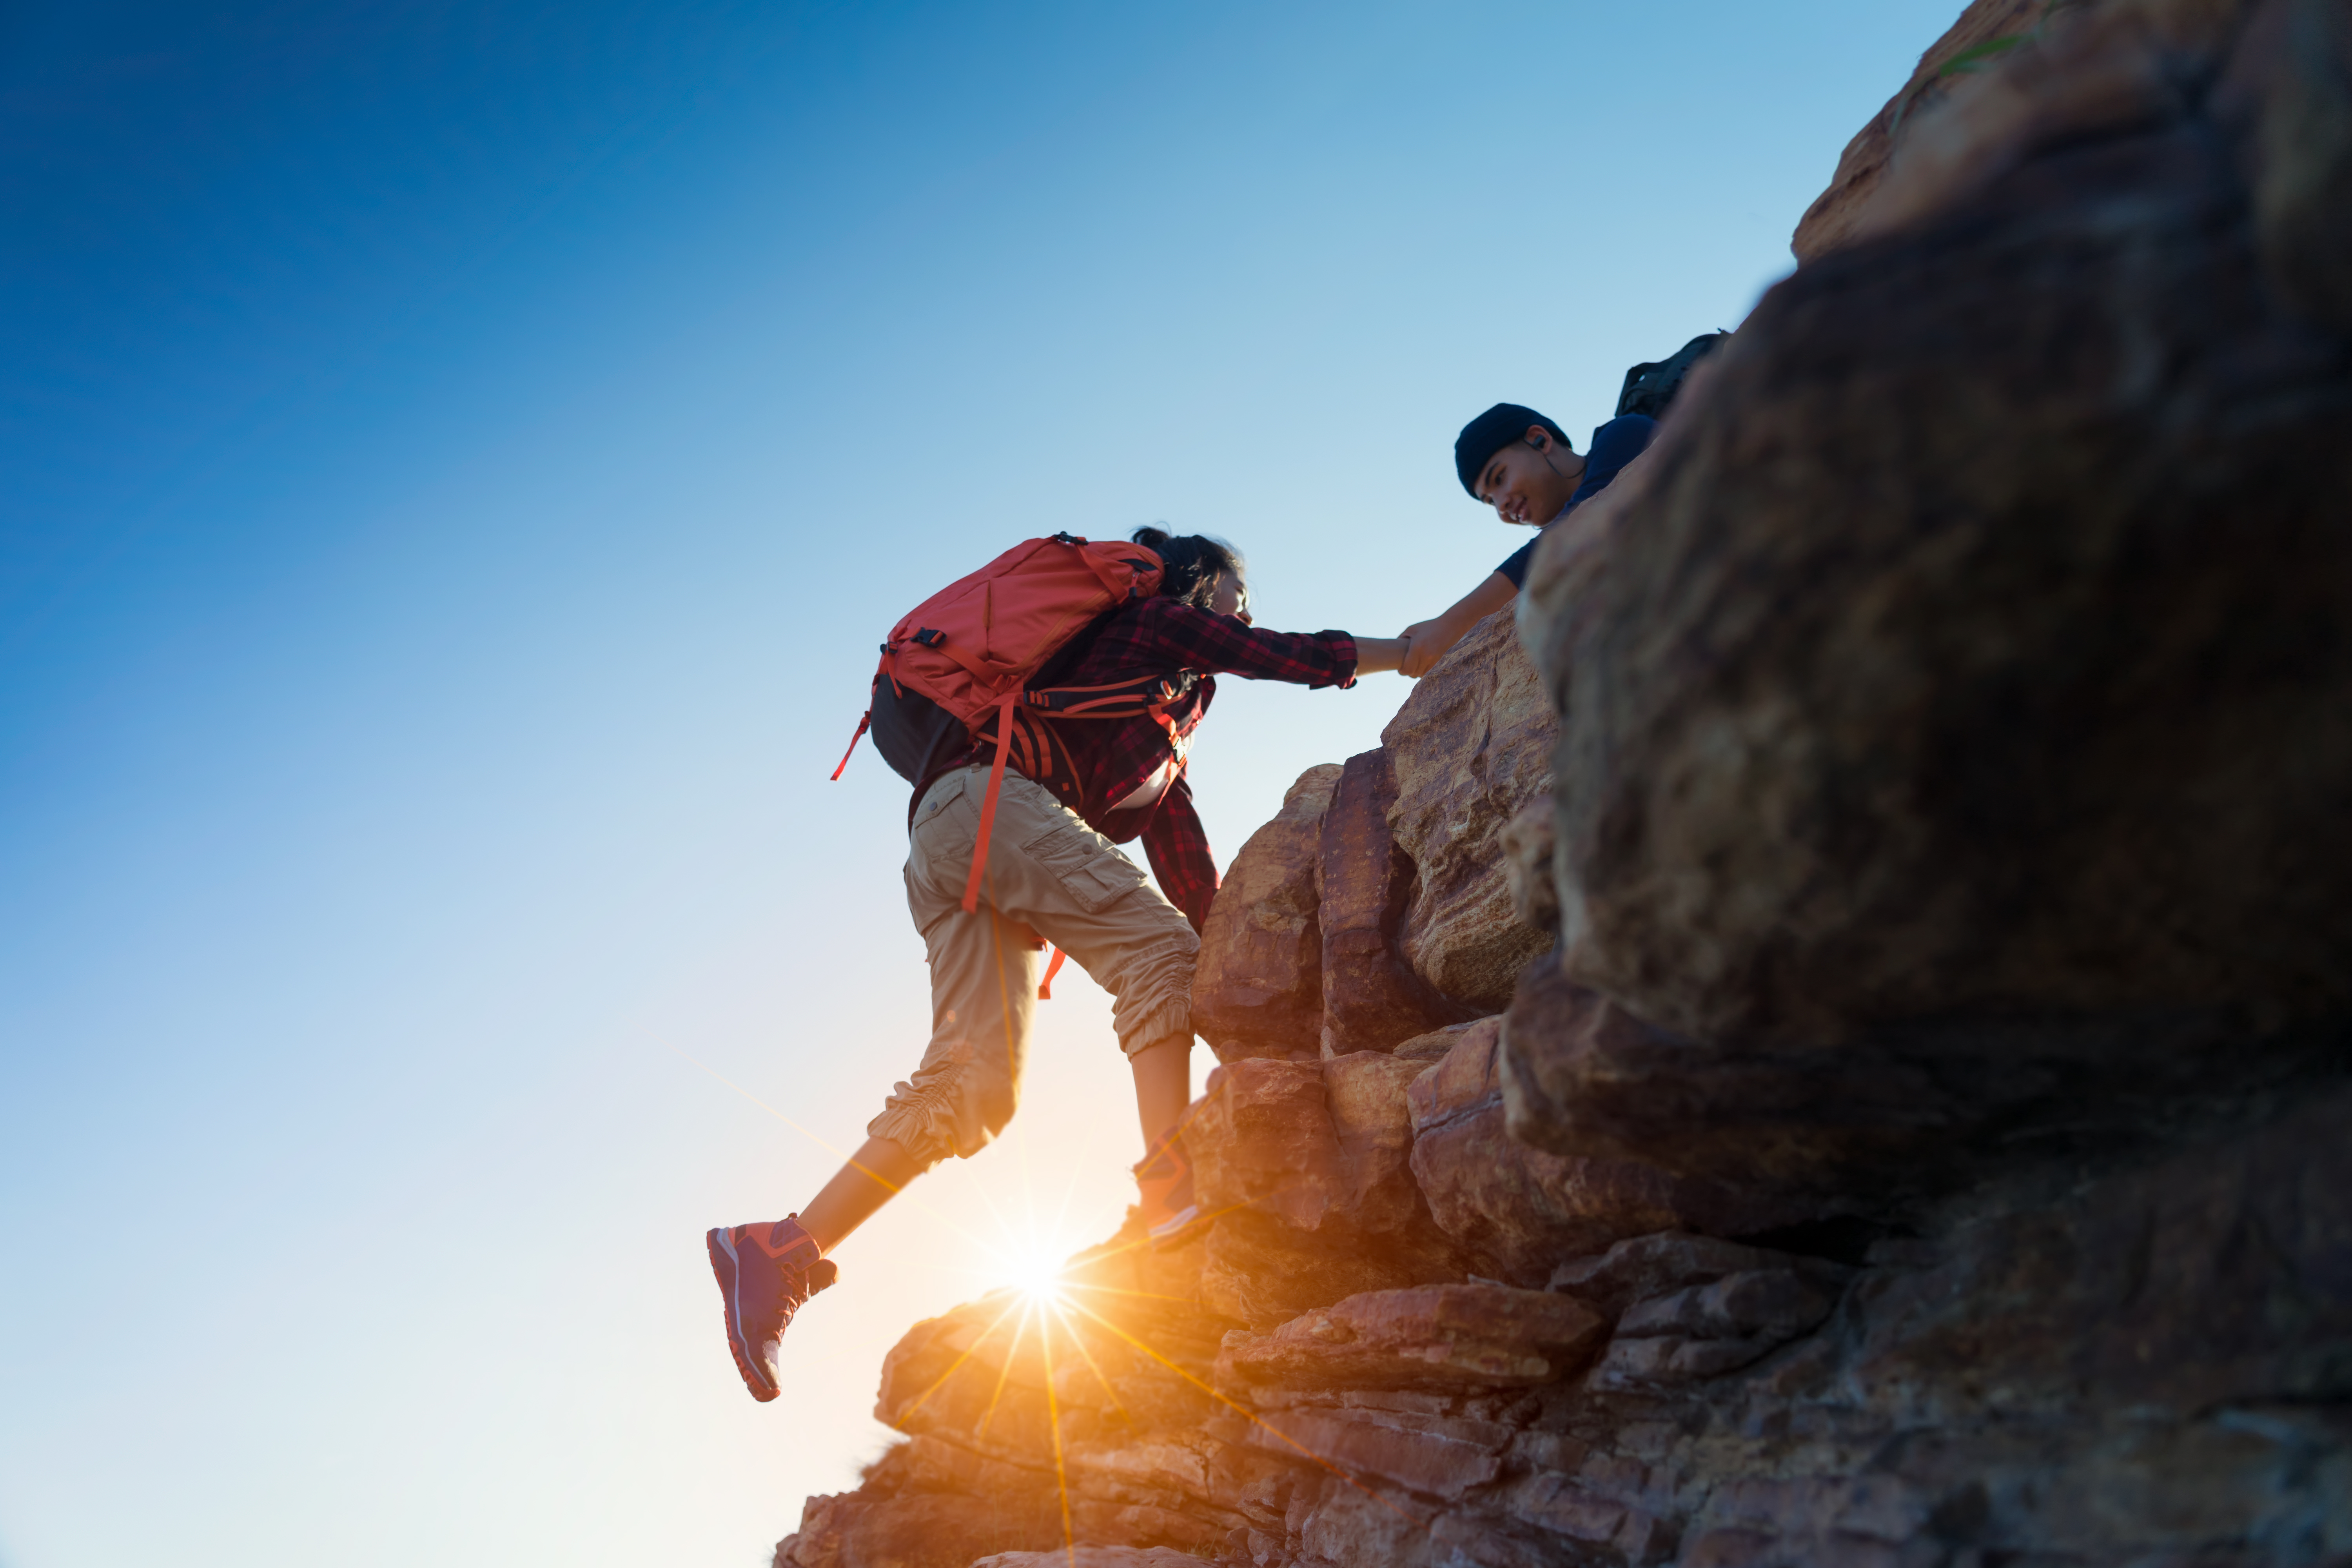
1986	31
2021	825
1470	747
1930	1140
1438	1337
1372	998
1259	988
1515	1209
1368	912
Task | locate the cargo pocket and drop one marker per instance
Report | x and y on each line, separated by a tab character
1094	875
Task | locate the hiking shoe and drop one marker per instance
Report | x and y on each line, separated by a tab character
766	1273
1171	1213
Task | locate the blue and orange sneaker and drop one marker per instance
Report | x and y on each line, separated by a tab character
1171	1213
766	1273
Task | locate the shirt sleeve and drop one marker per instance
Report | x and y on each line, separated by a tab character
1177	845
1615	445
1200	640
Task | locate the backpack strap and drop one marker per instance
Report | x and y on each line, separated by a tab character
1045	987
1150	695
988	801
984	672
1120	699
864	719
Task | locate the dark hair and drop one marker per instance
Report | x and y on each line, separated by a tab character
1194	563
1505	425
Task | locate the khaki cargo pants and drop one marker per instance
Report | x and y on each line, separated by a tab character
1047	870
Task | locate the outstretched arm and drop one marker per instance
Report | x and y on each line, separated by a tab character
1173	635
1429	639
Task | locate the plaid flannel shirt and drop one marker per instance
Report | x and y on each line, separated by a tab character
1115	756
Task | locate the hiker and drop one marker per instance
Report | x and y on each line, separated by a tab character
1521	464
1046	870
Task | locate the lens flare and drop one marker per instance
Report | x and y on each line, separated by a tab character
1036	1272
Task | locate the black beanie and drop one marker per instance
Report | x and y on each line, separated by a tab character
1490	433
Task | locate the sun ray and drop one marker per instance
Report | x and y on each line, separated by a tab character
1004	1372
1054	1421
1120	1290
1044	1301
1124	1247
1079	1340
940	1381
1247	1414
1078	1169
1004	1226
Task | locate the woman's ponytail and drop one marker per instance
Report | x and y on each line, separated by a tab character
1193	563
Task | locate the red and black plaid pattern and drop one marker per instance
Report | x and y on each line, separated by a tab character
1041	750
1152	668
1177	848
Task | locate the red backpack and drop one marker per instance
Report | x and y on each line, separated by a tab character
975	651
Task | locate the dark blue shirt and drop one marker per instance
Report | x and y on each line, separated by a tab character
1615	445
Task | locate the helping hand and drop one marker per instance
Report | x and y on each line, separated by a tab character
1425	644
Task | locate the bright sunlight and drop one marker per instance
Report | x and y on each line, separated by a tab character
1036	1271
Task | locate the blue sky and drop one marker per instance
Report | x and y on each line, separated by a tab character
457	461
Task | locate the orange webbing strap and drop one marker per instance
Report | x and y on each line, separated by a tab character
1045	987
863	721
988	672
988	801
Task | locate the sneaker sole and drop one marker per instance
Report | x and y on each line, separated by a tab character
1176	1227
724	1267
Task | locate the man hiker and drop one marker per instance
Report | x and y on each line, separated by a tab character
1070	794
1521	464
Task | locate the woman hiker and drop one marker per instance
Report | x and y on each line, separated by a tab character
1055	872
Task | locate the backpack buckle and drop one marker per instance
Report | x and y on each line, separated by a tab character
1070	539
931	638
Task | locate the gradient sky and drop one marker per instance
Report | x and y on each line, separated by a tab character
455	463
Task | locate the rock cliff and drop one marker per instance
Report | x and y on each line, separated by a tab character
1828	1038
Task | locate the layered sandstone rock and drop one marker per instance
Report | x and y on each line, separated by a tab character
1372	998
1259	988
1470	747
1440	1337
1931	1141
1306	1165
1985	32
2145	1368
1515	1209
